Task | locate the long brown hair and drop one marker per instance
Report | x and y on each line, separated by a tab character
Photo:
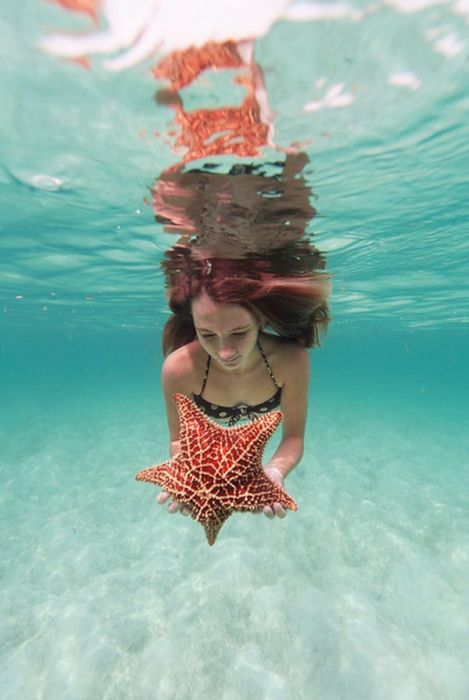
287	291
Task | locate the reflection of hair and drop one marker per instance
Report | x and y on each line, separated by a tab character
251	209
291	300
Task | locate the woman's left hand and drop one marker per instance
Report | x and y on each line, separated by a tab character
276	509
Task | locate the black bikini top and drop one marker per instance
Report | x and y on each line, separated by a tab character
232	414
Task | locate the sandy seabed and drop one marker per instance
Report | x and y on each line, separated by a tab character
359	594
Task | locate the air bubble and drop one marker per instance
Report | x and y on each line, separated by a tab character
46	182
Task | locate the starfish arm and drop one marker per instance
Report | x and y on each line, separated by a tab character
169	475
213	526
218	470
198	435
248	449
154	474
258	493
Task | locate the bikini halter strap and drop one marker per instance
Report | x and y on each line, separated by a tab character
207	367
267	364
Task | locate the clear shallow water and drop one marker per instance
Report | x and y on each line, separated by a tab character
361	594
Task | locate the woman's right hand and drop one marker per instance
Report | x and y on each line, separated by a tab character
174	506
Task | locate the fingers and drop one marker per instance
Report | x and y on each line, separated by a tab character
162	497
280	511
276	509
174	506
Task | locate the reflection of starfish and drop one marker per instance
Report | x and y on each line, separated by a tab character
181	68
218	470
222	131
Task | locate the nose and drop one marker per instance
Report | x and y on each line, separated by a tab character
226	352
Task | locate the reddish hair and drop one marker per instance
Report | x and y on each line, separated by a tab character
291	300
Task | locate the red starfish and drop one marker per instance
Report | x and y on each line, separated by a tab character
218	470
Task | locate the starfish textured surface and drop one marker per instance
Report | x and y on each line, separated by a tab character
218	470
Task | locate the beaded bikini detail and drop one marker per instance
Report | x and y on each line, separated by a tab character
233	414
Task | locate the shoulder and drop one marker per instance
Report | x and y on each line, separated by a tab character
288	358
181	368
290	364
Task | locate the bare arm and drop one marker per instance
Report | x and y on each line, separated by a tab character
287	455
174	447
172	382
294	408
174	379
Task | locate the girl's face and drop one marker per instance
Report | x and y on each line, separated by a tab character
227	332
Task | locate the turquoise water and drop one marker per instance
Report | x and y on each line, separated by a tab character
363	592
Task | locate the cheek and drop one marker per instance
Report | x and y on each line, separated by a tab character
210	345
249	341
205	342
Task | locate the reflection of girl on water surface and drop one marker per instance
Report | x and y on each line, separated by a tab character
236	344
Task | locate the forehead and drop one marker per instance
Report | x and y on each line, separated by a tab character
220	317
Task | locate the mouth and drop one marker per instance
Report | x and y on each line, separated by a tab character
231	361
